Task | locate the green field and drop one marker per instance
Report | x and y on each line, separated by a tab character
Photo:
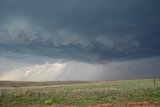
78	93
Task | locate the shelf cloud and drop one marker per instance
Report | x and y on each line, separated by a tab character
89	32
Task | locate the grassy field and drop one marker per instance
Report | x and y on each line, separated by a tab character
78	93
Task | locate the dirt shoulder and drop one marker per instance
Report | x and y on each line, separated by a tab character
129	104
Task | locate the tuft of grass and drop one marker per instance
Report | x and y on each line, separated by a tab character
49	101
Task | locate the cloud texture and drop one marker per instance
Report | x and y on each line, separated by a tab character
90	31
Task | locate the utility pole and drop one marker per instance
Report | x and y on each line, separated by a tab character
16	90
154	80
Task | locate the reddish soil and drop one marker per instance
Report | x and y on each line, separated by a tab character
129	104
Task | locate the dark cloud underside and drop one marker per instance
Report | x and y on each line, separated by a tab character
86	30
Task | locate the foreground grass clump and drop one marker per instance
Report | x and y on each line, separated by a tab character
114	92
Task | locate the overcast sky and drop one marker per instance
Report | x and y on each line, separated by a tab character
53	39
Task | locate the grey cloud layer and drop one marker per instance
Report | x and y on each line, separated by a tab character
87	30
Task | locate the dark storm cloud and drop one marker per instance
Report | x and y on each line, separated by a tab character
87	30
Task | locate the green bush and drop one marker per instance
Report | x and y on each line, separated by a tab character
48	101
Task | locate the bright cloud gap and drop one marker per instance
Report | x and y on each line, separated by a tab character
73	70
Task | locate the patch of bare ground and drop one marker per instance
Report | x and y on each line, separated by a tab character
143	104
129	104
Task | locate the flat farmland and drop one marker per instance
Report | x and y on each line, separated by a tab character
122	93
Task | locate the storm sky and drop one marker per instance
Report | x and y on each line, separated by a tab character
79	39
